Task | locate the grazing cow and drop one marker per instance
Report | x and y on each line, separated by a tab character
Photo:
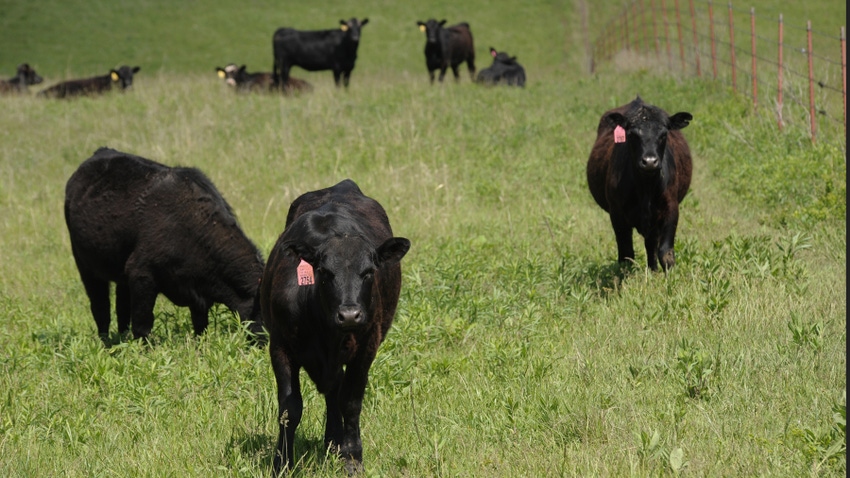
445	47
328	296
122	78
237	77
639	171
504	70
18	84
317	50
156	229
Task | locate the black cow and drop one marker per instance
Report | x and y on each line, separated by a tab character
445	47
121	79
317	50
25	76
242	81
328	297
156	229
504	70
639	171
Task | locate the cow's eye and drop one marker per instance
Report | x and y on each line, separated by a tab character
367	275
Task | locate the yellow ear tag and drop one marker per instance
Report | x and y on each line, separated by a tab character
343	28
221	74
422	28
115	76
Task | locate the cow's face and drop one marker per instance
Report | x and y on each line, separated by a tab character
646	130
123	77
27	75
231	74
502	57
352	28
431	28
344	273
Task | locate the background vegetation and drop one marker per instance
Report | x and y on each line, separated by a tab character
520	347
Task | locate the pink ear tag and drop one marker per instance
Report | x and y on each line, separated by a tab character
305	273
619	134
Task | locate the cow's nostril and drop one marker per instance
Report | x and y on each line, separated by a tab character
349	315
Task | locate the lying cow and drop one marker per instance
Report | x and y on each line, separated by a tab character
328	297
25	77
155	229
505	70
120	79
242	81
639	171
317	50
448	47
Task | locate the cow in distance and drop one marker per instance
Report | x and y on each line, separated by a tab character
317	50
328	297
505	70
154	229
448	47
119	79
243	82
639	170
24	77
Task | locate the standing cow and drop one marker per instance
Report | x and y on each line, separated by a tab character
505	70
445	47
25	77
639	170
155	229
121	79
242	81
317	50
328	297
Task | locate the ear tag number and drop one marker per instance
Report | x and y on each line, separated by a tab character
305	273
619	134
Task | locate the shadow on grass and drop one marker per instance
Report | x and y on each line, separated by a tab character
259	450
608	276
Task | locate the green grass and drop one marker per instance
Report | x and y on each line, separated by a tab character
520	347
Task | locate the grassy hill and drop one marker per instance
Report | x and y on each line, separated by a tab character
520	347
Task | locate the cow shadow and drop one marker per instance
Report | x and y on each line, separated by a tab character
607	277
259	450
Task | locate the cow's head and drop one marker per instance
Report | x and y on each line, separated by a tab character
344	269
231	73
123	76
646	128
28	76
502	57
431	28
352	28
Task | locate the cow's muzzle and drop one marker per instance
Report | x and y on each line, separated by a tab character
649	163
350	316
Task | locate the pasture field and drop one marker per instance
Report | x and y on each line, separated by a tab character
520	347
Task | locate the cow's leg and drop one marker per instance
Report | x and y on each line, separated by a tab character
143	294
351	404
456	72
337	77
290	405
333	416
346	76
650	242
623	233
666	237
470	65
431	75
122	306
98	292
443	72
200	317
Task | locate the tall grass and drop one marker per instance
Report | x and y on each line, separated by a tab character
520	347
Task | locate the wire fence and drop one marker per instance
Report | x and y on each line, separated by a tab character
788	68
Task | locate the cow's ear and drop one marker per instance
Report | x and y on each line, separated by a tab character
302	251
364	21
114	75
442	22
422	27
221	72
680	120
343	26
616	119
242	68
392	250
136	69
493	52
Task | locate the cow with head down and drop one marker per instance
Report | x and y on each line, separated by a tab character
328	297
25	77
243	82
505	70
119	79
448	47
639	171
